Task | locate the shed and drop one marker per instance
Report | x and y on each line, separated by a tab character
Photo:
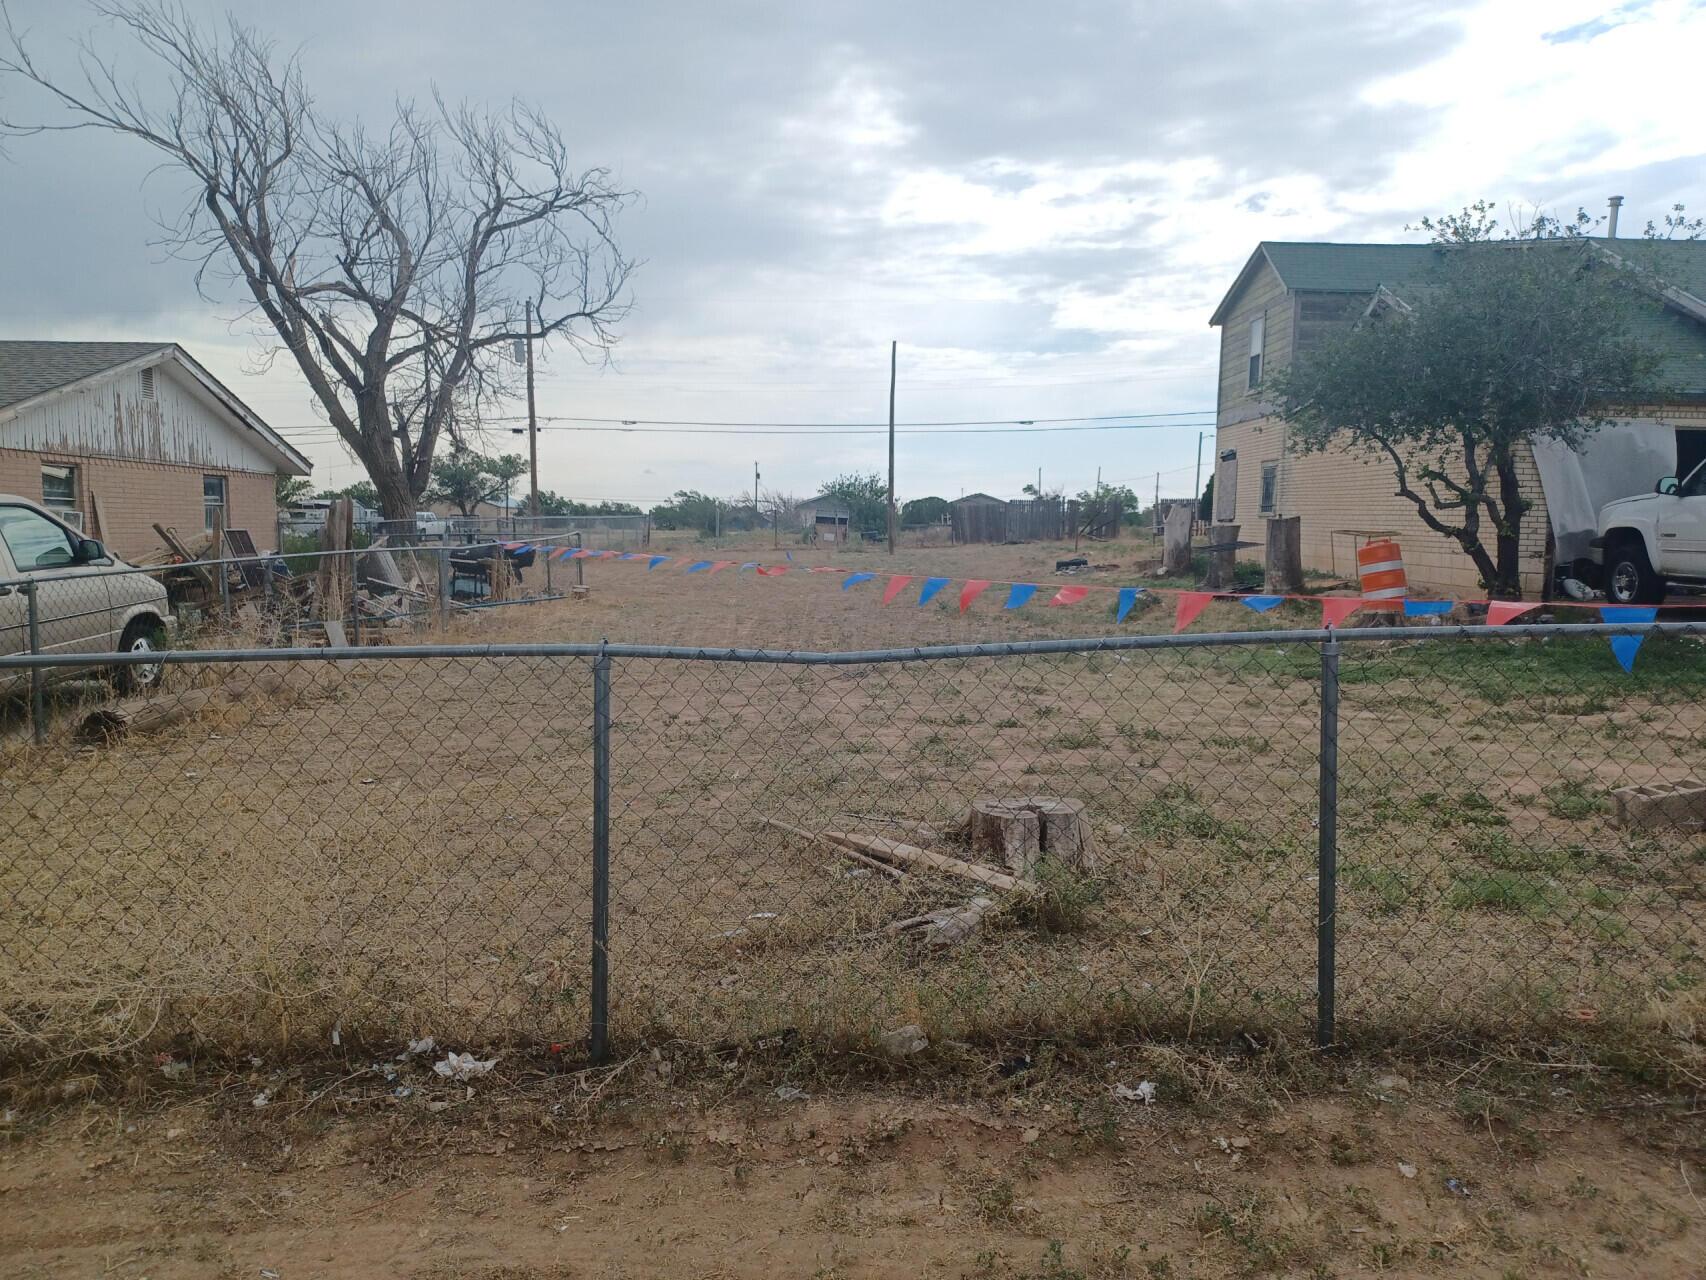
826	516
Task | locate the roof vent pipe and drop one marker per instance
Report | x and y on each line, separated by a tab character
1616	203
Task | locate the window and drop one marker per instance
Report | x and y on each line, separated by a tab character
1695	485
35	541
58	487
1258	334
1270	483
212	502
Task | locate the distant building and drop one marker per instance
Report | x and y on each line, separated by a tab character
116	437
826	517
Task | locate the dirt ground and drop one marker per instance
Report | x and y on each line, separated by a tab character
1370	1174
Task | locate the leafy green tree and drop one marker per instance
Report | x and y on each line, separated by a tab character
923	511
1102	509
361	491
466	479
1507	342
1205	504
288	490
866	495
552	504
688	509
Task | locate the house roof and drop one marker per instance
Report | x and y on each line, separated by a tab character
30	370
826	500
1678	268
978	497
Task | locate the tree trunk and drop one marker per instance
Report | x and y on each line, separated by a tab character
1509	544
1283	570
1023	830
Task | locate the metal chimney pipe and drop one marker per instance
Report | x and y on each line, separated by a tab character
1616	203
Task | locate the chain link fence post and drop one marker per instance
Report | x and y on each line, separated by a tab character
599	1047
444	588
1326	920
38	677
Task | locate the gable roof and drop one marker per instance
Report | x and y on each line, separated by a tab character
30	370
1677	270
978	497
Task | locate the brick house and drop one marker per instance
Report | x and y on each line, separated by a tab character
1290	296
119	436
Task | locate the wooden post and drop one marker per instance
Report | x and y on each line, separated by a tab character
893	347
1176	543
1284	558
1220	563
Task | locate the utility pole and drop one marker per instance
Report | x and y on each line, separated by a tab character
532	423
1196	491
757	520
1158	503
893	346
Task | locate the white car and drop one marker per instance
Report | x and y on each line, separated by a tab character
428	525
1649	542
82	605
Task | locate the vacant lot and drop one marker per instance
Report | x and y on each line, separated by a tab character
400	847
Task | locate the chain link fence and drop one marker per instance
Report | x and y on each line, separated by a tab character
1368	833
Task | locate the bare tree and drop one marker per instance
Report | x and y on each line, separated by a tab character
395	267
778	509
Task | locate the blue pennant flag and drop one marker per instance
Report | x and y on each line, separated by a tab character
655	561
931	587
790	555
1261	604
1020	593
698	566
854	579
750	564
526	546
629	555
1128	597
1426	608
1624	648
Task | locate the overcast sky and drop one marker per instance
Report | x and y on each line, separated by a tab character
1042	203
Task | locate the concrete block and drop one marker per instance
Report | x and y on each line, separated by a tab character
1662	806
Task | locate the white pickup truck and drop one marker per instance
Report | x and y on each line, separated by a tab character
1651	542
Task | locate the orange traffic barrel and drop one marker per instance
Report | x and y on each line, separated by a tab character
1380	565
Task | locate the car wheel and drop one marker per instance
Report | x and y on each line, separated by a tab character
144	635
1629	577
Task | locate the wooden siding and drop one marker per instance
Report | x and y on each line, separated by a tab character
1265	296
111	418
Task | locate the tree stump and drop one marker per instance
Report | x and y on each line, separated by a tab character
1021	831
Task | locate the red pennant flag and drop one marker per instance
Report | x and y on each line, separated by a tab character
1335	609
972	590
719	565
773	570
897	584
824	568
1191	603
1500	612
1069	595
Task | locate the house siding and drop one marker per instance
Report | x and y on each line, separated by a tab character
135	494
1334	493
1264	295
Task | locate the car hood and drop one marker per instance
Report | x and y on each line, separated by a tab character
1623	504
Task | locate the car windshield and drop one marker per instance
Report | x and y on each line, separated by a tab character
1695	485
35	541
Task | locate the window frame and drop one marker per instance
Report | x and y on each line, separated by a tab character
74	502
1258	350
223	506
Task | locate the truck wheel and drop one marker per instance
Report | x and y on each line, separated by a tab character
1629	577
144	635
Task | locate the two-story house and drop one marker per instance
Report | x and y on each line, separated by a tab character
1290	296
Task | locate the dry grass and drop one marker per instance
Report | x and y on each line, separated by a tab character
405	850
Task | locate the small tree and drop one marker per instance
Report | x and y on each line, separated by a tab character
467	479
1205	504
288	490
1101	509
866	495
924	511
1506	343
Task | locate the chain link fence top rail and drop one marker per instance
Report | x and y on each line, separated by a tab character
402	842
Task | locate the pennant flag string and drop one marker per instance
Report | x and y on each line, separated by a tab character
1335	609
897	584
1128	597
854	579
1191	603
1261	604
1019	595
974	588
1624	648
